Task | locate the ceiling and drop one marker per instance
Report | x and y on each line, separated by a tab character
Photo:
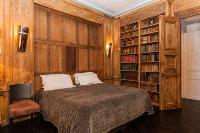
115	8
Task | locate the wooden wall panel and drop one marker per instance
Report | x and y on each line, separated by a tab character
56	27
83	34
71	59
180	5
57	58
2	37
22	63
41	62
93	60
70	33
40	20
70	7
83	60
93	35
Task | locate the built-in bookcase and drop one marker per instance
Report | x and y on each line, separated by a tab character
140	56
149	58
130	54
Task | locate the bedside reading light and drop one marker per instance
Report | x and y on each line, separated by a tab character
108	50
22	38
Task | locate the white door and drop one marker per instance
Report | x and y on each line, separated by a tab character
191	65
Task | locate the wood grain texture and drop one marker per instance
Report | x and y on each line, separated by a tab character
40	20
4	107
83	60
70	32
83	38
69	7
22	63
181	5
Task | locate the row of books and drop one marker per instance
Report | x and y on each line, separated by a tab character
129	41
150	38
129	50
133	67
133	26
129	58
150	77
150	48
150	30
129	34
129	76
150	57
150	21
150	67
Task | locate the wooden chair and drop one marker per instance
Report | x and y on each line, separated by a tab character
22	103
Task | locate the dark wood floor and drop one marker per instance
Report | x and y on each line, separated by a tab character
185	120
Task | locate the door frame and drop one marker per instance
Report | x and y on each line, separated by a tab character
182	15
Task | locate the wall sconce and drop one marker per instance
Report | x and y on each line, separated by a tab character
108	50
22	38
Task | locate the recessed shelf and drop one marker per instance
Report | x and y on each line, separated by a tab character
128	71
129	54
150	43
129	62
149	26
149	52
150	62
149	33
129	31
129	80
129	45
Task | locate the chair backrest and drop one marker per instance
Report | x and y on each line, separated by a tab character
20	91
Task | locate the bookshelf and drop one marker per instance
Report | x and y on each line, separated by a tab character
149	55
140	56
129	58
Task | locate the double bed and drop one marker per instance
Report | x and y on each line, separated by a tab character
96	108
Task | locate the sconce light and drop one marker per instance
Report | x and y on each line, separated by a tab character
108	50
22	38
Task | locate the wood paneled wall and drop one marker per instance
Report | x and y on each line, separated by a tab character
181	5
65	43
19	67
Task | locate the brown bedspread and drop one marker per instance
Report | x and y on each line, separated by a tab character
93	109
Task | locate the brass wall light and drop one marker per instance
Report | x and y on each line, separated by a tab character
108	50
22	38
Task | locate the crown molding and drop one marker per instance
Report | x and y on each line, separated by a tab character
112	13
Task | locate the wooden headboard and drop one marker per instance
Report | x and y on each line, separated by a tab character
65	44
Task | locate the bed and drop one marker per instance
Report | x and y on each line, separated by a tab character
96	108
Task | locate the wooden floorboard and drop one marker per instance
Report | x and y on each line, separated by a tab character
185	120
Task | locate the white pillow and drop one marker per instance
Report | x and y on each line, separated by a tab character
56	81
86	78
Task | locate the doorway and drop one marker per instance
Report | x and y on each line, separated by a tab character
190	57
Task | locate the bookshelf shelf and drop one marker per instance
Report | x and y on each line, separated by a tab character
129	71
129	80
129	62
140	55
149	43
149	26
155	32
130	54
129	46
149	54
